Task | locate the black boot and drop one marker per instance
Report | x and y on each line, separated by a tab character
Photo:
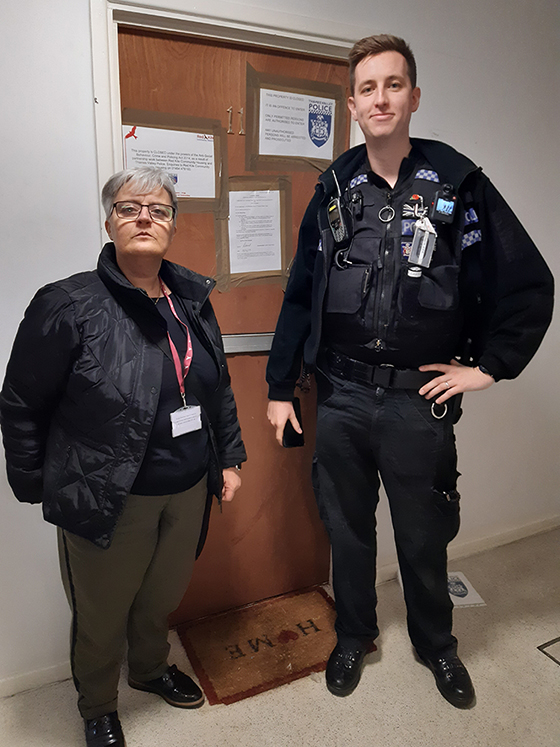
344	669
452	679
104	731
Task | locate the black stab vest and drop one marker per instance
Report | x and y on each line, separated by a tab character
374	309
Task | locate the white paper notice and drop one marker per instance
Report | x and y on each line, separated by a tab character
188	157
462	592
254	231
292	124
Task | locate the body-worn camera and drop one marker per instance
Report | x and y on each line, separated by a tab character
443	207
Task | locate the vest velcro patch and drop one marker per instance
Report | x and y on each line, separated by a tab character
470	216
360	179
407	226
427	175
471	238
406	248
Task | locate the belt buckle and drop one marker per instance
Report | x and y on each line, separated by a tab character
383	375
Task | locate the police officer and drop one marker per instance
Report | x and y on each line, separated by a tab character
413	283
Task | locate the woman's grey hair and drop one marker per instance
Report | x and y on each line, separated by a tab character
143	180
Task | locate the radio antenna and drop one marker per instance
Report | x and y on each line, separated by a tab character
336	182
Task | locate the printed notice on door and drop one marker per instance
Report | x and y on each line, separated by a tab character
254	231
292	124
188	157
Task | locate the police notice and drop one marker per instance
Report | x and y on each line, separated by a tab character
292	124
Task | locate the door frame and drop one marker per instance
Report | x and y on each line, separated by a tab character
106	17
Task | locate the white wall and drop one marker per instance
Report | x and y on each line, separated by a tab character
489	73
50	219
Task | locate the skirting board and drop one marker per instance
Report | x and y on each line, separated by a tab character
458	549
388	572
32	680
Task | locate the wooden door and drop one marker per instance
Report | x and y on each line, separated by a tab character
270	539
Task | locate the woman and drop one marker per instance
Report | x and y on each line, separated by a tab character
117	415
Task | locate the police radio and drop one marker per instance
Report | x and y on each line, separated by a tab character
444	204
339	219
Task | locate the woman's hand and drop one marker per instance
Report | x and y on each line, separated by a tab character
456	378
232	482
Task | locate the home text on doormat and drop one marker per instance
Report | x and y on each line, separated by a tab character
246	651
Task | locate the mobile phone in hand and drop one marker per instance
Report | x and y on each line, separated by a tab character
291	438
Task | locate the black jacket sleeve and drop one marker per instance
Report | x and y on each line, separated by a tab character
516	288
294	323
42	355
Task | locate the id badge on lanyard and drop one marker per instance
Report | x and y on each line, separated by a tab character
189	417
185	420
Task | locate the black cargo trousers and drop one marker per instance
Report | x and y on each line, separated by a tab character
365	433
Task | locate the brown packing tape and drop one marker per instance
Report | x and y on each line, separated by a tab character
162	120
255	81
225	280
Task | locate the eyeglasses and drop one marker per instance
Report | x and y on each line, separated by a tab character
131	211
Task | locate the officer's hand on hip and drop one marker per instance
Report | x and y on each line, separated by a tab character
455	379
278	413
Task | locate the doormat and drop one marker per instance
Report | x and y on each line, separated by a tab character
249	650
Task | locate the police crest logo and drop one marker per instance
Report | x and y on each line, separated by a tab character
320	122
456	586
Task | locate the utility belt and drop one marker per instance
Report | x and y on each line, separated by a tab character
385	375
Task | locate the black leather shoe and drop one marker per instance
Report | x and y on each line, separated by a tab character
344	669
452	679
104	731
175	688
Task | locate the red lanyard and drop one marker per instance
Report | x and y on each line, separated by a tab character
180	370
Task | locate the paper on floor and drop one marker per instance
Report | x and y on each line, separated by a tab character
462	592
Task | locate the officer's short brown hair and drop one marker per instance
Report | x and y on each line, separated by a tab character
373	45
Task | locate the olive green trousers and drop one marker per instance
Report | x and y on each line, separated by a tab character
123	594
